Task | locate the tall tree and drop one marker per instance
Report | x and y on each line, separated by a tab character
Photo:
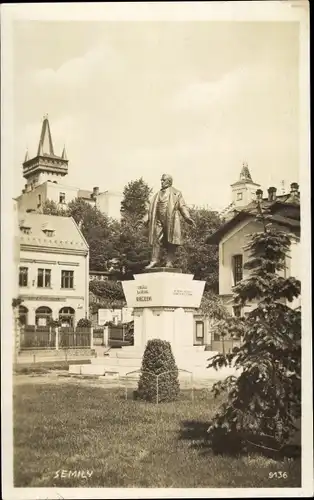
133	248
195	256
99	231
133	252
264	401
136	196
49	207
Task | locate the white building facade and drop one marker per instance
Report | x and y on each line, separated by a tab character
53	270
233	236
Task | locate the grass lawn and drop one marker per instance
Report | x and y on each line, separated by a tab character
125	443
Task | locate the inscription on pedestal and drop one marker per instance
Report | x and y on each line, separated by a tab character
163	290
183	293
142	294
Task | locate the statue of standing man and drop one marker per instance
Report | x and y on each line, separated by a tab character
164	222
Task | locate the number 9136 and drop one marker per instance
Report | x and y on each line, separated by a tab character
277	475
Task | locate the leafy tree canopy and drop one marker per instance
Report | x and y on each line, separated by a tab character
136	196
195	256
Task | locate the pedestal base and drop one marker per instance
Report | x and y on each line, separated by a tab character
163	304
176	325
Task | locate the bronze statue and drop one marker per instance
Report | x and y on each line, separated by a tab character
164	222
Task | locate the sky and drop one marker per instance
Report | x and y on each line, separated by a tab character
139	99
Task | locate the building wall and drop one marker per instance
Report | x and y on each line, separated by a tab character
110	204
47	191
54	190
55	297
248	192
29	200
123	315
234	242
40	177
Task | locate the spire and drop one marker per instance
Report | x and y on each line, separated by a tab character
245	173
45	146
26	156
64	155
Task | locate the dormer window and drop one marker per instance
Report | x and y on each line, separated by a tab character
49	232
25	228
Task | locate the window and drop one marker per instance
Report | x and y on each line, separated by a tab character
25	229
237	268
23	276
49	232
66	316
61	197
237	311
43	316
239	196
39	200
44	278
199	329
67	279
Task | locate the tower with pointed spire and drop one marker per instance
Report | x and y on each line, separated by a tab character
46	165
243	191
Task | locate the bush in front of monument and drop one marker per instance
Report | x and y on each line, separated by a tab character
159	378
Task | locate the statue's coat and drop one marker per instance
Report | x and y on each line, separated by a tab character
176	206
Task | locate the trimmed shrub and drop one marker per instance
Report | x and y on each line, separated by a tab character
158	359
84	323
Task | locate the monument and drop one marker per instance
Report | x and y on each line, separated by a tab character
163	298
164	223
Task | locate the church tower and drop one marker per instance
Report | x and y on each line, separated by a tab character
45	165
243	191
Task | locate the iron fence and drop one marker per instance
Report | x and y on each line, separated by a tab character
71	337
38	338
130	380
45	337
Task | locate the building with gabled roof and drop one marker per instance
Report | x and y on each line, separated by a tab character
45	180
282	211
53	270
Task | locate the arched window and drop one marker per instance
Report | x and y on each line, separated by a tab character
43	315
67	316
23	315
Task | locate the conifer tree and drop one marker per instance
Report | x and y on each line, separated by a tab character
264	401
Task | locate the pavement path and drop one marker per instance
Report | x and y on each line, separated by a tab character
62	377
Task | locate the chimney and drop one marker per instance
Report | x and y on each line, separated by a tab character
95	191
259	195
272	193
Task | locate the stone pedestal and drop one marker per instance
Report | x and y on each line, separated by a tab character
164	301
